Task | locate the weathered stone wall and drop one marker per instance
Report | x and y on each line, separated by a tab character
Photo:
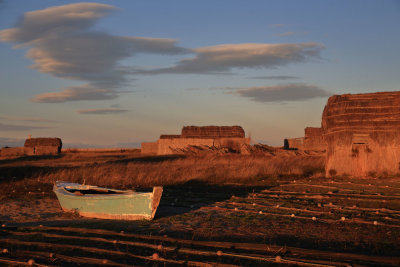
314	139
230	137
363	134
294	143
42	150
169	146
149	148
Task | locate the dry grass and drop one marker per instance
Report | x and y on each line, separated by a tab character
125	170
218	170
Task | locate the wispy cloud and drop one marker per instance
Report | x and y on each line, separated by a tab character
278	77
102	111
12	127
282	93
223	58
77	93
27	119
285	34
61	42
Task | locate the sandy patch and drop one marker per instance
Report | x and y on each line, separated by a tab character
35	210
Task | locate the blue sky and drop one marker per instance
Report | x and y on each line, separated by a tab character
115	73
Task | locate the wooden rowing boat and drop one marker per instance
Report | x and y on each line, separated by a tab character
104	203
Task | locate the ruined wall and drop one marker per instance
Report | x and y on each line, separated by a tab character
363	134
42	150
314	139
170	146
230	137
149	148
294	143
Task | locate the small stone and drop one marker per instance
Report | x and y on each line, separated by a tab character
292	215
219	253
314	219
278	259
343	219
4	250
277	206
155	256
260	212
51	255
160	247
254	204
31	262
319	205
377	212
122	232
115	241
236	209
3	225
105	261
375	223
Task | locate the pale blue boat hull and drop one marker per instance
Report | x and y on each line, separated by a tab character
123	205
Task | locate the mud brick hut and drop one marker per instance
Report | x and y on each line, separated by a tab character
362	132
42	146
313	140
231	137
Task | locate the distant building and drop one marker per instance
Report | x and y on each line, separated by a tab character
230	137
313	140
362	132
42	146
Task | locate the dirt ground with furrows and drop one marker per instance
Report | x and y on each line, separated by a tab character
303	220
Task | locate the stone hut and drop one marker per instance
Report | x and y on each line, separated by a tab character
42	146
313	140
362	132
231	137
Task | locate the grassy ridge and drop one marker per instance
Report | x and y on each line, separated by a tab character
127	169
177	170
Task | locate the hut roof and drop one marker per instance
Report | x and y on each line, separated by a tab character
170	136
212	132
362	113
32	142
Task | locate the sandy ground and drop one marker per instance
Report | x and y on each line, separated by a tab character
37	210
